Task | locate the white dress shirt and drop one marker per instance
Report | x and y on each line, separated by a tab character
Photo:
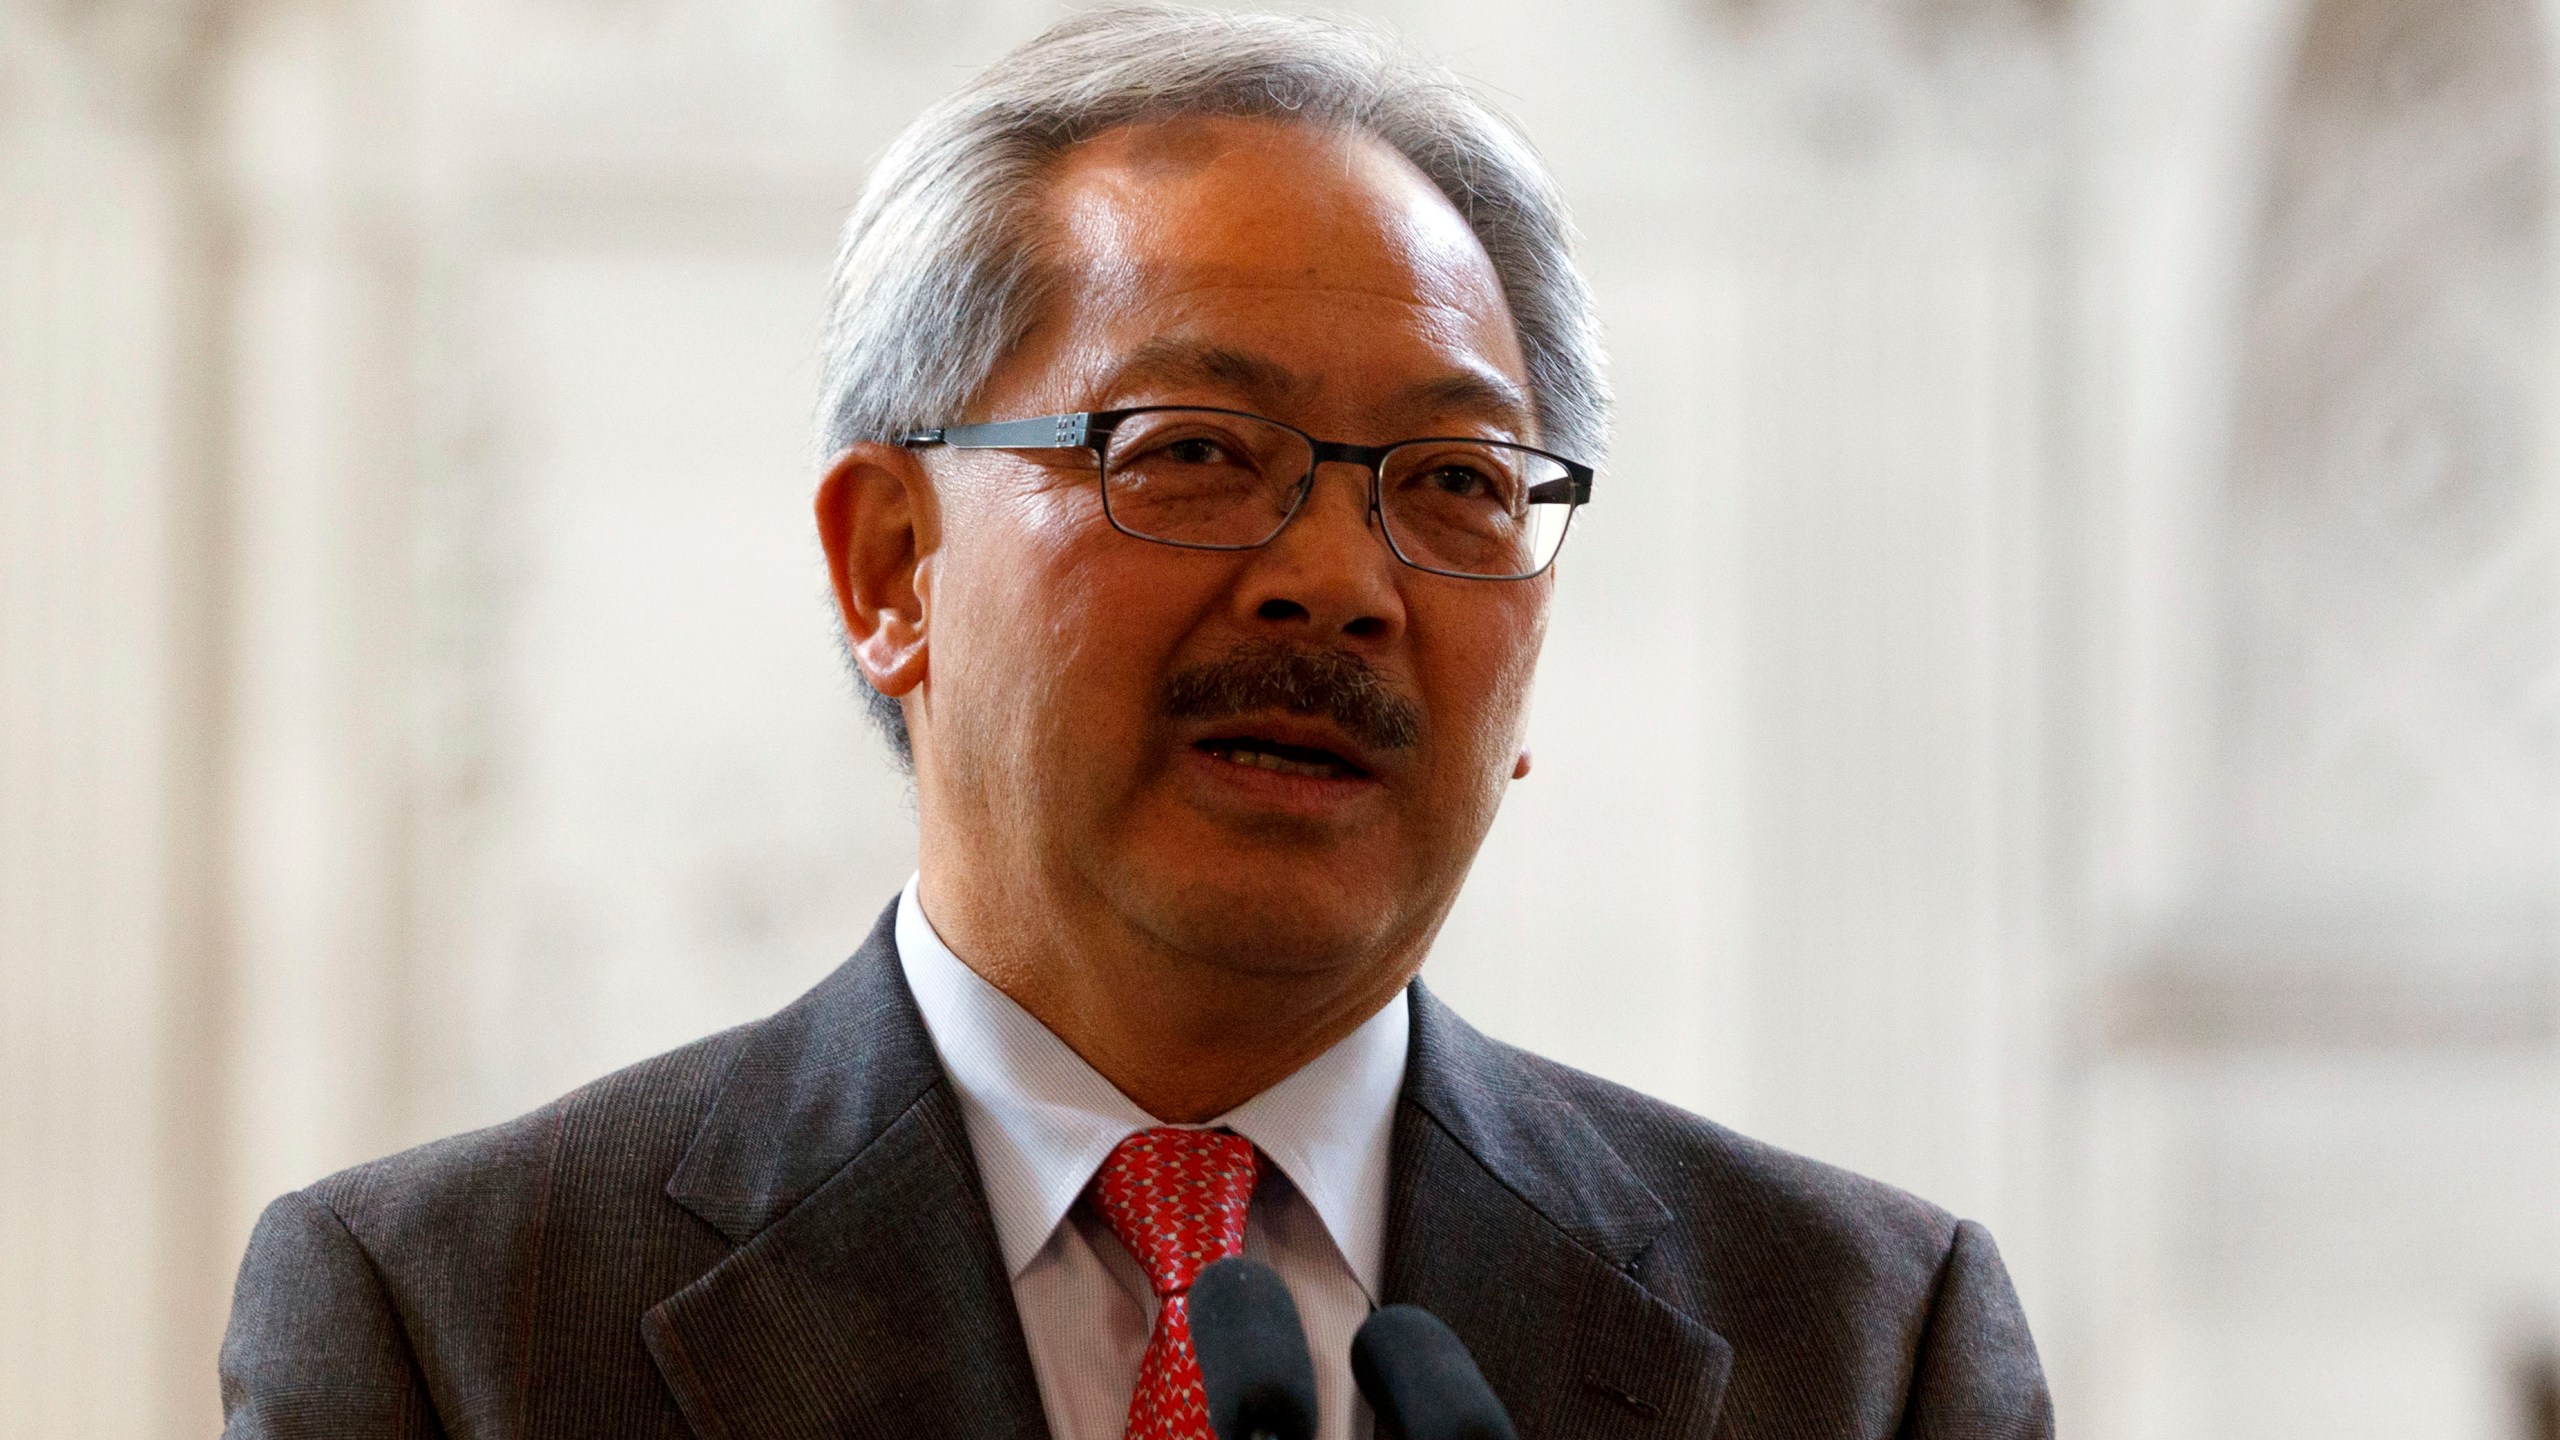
1042	1121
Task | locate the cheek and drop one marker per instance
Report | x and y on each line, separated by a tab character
1004	596
1480	684
1484	673
1518	676
1062	626
1132	607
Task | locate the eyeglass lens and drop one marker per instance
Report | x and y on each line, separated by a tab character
1208	478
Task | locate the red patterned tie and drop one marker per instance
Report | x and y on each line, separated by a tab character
1177	1200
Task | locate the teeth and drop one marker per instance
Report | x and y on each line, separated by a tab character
1264	759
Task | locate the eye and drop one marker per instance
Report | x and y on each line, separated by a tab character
1198	450
1463	481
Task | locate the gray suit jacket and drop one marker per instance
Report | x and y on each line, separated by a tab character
778	1231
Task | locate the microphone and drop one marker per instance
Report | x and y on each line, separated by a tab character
1253	1353
1420	1381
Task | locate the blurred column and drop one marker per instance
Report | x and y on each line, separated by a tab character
2317	887
314	114
205	450
1894	265
110	524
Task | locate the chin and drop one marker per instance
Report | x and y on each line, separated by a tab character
1271	925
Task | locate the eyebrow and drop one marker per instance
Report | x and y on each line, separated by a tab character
1486	396
1168	361
1266	382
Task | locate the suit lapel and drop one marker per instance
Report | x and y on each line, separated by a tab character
867	1296
1511	1218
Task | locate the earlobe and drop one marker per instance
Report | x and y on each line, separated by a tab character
875	513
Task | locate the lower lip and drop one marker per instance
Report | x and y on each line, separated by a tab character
1279	789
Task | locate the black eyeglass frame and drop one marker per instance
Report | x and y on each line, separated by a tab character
1092	430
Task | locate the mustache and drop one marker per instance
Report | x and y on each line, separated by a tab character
1336	684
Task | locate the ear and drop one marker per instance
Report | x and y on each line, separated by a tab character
879	522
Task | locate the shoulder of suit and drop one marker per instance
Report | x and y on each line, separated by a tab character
501	1250
618	1136
1731	1191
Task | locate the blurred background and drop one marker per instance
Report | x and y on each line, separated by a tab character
2052	707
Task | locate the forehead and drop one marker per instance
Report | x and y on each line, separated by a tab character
1320	251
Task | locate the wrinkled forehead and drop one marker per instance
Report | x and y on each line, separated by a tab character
1155	221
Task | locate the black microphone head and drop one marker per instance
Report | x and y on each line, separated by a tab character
1253	1353
1420	1381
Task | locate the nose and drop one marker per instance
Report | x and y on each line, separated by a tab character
1327	577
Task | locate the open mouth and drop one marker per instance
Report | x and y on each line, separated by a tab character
1285	759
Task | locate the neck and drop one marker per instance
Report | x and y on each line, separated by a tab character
1186	1038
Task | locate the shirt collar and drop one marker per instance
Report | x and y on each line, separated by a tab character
1042	1120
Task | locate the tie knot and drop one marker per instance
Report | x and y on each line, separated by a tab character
1177	1200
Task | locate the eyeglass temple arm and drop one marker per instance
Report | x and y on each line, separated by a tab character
1571	490
1047	432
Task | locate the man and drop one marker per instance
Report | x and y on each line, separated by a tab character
1209	398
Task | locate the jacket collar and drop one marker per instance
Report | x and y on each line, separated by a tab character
814	1087
1511	1217
866	1295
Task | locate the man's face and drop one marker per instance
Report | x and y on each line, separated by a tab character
1320	280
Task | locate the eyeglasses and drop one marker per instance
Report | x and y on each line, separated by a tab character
1208	479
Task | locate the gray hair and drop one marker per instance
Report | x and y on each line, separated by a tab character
941	273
